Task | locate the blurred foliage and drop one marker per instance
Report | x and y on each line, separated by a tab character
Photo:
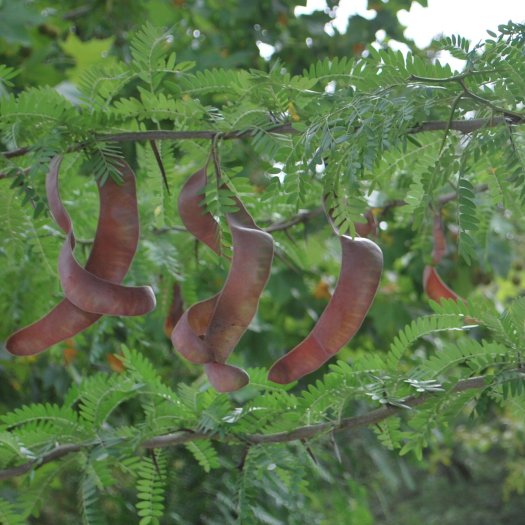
457	458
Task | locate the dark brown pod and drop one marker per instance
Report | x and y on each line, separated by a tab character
361	267
111	255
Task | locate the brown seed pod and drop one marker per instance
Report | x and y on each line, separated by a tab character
197	220
361	267
434	286
83	288
175	311
111	255
209	331
364	229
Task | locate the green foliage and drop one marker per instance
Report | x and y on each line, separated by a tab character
9	514
348	130
468	222
151	485
205	454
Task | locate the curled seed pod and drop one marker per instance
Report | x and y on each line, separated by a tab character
83	288
434	286
113	249
198	222
175	311
364	229
188	335
209	331
361	267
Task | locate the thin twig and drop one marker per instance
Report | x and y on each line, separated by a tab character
77	12
300	218
455	78
158	158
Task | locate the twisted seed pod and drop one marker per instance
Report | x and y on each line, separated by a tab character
175	311
361	267
111	255
209	331
197	220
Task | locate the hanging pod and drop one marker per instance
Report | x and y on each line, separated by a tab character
433	285
95	289
209	330
176	309
361	268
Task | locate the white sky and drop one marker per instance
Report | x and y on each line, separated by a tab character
470	18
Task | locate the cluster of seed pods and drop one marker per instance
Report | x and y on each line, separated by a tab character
93	290
208	331
433	285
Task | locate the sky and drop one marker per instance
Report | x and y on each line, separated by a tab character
469	18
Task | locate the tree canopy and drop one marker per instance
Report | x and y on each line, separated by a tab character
265	193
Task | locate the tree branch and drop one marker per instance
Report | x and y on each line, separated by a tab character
463	126
57	453
161	134
304	432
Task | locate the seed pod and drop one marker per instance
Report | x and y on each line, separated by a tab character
361	267
197	220
209	331
226	378
434	286
175	311
111	255
83	288
364	229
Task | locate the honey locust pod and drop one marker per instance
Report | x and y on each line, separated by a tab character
364	229
199	222
433	285
175	311
361	268
112	252
208	331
